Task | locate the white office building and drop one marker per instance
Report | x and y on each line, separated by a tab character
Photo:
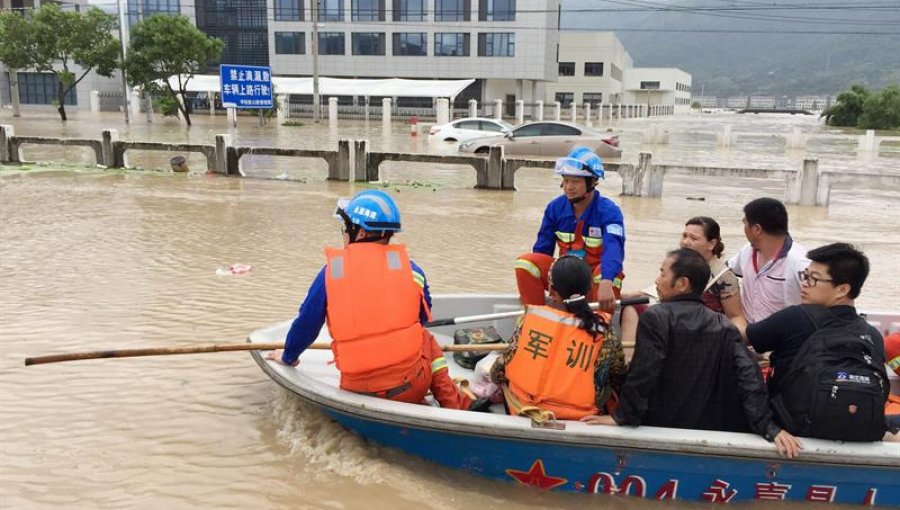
658	86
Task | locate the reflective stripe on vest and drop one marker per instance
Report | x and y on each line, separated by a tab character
529	266
575	243
553	364
438	363
373	315
894	363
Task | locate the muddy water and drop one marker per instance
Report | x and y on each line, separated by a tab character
94	259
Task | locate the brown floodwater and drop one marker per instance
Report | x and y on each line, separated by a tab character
94	259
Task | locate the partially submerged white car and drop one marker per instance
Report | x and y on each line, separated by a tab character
461	130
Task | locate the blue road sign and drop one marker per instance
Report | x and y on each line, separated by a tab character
245	86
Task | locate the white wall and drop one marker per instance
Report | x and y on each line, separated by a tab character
674	87
581	47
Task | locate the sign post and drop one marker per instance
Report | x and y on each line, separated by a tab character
246	87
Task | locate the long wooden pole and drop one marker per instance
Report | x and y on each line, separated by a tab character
202	348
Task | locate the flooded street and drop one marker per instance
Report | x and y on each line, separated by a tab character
94	260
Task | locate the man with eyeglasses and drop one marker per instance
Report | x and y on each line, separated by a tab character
829	286
769	262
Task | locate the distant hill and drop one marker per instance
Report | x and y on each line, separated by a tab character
725	61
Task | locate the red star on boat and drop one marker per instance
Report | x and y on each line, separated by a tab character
536	476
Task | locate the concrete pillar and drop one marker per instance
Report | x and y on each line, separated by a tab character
619	111
520	93
557	111
340	171
494	178
809	181
867	141
823	193
360	160
600	114
538	113
587	114
724	138
108	139
442	116
95	101
573	112
498	109
796	140
520	111
211	99
223	143
473	107
332	110
6	134
135	103
232	116
149	104
282	112
386	110
653	177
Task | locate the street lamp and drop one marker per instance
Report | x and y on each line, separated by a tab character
315	52
123	40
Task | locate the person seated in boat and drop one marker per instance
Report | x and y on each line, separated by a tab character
560	361
892	408
690	369
721	294
825	335
768	264
375	301
582	223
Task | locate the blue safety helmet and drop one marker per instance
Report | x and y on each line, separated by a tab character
581	162
372	210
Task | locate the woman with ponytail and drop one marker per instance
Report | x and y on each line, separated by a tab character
562	362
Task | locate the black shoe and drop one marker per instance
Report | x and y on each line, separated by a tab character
481	405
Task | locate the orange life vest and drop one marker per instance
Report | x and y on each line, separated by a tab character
892	351
590	249
373	316
553	365
892	406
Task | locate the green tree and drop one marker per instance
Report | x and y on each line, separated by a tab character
66	43
882	110
847	108
165	46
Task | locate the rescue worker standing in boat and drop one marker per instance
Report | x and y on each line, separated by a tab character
375	301
560	360
581	223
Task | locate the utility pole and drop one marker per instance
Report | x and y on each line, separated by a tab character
315	52
123	40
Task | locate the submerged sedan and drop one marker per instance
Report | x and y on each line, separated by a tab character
468	129
549	139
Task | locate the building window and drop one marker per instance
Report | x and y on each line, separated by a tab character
592	98
290	43
451	45
142	9
497	10
409	10
411	44
367	43
331	10
288	10
566	98
331	43
368	10
452	10
567	68
40	88
593	68
615	73
241	24
496	45
649	85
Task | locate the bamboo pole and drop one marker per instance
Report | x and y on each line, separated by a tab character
206	348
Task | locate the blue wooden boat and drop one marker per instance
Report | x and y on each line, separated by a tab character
645	462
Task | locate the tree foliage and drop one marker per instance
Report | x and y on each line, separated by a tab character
67	43
847	107
860	108
164	46
882	110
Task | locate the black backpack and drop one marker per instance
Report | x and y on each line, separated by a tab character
836	386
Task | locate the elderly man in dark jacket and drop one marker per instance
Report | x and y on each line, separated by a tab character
690	369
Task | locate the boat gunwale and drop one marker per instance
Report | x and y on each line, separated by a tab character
511	428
